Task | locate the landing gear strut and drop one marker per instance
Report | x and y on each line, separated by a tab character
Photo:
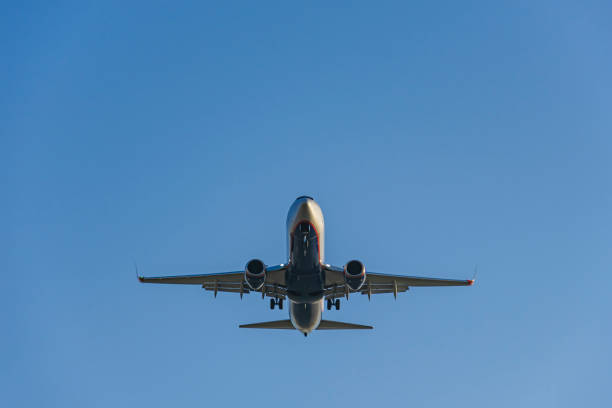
331	304
274	302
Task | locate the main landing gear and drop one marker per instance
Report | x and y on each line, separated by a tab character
331	303
278	302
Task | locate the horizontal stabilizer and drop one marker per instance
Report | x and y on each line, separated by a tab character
286	324
276	324
331	325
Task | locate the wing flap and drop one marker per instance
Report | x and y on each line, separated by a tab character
230	290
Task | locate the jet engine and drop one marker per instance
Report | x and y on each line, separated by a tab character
255	274
354	275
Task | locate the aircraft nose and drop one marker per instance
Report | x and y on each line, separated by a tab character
303	208
304	197
305	205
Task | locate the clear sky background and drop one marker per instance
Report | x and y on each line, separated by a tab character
435	136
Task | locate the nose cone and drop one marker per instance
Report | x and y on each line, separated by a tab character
304	208
304	196
305	205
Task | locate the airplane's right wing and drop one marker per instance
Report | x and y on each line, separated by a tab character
228	281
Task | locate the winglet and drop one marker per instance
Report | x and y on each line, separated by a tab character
471	281
140	278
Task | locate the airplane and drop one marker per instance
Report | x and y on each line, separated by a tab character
306	280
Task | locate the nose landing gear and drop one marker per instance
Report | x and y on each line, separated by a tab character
274	302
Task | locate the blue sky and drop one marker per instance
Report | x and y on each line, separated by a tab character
434	137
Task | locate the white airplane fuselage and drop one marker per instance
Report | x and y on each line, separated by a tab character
305	276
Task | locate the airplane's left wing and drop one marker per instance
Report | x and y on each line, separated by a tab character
228	281
382	283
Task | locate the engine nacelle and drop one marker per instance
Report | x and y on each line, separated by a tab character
354	274
255	274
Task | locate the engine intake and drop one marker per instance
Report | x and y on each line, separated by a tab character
354	275
255	274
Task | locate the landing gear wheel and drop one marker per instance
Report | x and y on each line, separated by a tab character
272	303
280	304
329	304
337	304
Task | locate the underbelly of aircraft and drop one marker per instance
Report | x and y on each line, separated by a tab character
306	317
304	279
